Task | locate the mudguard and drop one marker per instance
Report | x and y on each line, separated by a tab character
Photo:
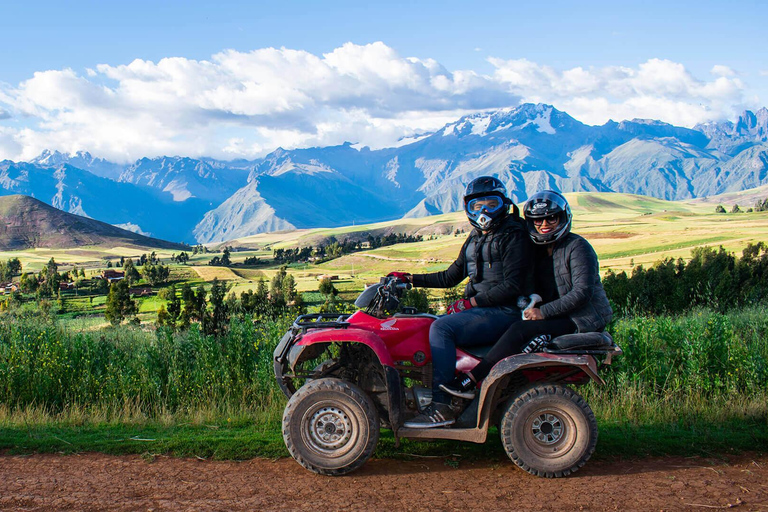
391	375
349	335
506	367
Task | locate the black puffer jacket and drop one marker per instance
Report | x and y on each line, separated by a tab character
498	264
582	297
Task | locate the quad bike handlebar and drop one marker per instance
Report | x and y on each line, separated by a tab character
381	299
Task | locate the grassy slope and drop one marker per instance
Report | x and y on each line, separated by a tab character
624	229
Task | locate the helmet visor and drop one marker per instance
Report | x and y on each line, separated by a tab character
490	204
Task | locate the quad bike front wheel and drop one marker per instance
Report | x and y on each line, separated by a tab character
549	430
330	426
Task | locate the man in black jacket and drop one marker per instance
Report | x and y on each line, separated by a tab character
496	259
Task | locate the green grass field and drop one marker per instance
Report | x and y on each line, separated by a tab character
688	385
626	230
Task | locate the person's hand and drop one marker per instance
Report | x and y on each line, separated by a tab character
458	306
533	314
402	276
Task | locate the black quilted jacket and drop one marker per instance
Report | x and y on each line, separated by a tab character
582	297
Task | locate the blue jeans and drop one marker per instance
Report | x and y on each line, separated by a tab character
473	327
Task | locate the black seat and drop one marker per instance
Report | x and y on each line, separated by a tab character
480	351
582	341
589	341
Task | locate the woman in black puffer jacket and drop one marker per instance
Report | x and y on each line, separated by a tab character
567	277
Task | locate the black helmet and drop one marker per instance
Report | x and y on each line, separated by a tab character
486	202
544	204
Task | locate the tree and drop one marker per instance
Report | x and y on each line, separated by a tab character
216	322
289	290
225	261
28	283
261	289
171	313
119	303
188	296
719	209
174	303
49	279
10	269
735	209
276	287
102	286
417	298
326	287
155	274
131	274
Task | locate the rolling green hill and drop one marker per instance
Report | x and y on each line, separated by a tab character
625	229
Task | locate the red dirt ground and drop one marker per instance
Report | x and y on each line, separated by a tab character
103	482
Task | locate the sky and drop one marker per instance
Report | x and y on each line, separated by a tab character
124	80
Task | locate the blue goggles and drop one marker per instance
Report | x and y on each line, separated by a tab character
490	204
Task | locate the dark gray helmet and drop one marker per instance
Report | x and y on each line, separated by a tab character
486	202
547	204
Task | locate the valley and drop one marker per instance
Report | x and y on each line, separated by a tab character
626	231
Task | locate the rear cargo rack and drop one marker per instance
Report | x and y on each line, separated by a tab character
321	321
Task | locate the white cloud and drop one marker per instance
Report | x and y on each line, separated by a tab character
720	70
659	89
244	104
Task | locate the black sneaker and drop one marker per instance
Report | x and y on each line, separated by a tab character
462	386
434	415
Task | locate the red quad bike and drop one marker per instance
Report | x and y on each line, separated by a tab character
347	376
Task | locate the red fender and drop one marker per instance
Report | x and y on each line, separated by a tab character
349	336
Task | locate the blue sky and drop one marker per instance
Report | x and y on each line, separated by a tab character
711	55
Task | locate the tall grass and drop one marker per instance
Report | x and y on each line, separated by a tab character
682	380
53	368
686	384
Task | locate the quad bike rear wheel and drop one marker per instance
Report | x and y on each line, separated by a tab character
548	430
330	426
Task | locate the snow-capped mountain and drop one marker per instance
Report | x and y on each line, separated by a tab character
184	178
530	147
81	160
732	138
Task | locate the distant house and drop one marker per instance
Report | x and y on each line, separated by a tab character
141	291
67	286
7	288
329	276
111	275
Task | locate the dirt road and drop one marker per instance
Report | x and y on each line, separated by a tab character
102	482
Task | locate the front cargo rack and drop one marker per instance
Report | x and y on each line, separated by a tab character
321	321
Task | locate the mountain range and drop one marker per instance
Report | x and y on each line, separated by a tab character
529	147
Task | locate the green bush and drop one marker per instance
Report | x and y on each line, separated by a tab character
700	358
43	364
702	352
712	278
